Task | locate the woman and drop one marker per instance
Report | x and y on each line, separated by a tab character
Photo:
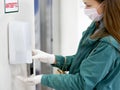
96	65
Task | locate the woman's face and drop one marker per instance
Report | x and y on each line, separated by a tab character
93	4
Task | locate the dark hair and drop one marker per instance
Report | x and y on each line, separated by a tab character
111	18
99	1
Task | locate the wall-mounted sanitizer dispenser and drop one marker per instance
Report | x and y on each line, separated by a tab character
20	45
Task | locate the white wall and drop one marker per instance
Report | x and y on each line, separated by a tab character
73	22
56	26
8	72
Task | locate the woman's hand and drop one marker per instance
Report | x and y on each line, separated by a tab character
43	56
32	80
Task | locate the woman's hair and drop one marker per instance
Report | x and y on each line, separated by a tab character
111	17
100	1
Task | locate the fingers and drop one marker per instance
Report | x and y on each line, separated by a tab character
34	52
21	78
28	81
35	57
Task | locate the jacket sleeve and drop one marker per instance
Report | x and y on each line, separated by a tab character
92	70
63	62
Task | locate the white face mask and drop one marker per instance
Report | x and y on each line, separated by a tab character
93	14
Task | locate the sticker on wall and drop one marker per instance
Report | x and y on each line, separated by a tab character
11	6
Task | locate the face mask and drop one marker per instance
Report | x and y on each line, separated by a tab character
93	14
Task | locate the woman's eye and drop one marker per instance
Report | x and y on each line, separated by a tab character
88	5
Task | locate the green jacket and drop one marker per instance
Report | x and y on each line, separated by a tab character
95	66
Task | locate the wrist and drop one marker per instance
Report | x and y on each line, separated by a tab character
52	59
37	79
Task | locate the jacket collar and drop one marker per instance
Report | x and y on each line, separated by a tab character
112	41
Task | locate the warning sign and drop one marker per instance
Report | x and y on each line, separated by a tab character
11	6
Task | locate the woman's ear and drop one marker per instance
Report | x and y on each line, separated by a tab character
101	9
103	3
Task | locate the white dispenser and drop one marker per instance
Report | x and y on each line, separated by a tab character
20	46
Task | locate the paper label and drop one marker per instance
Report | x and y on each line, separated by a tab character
11	6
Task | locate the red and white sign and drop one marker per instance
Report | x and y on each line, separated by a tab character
11	6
